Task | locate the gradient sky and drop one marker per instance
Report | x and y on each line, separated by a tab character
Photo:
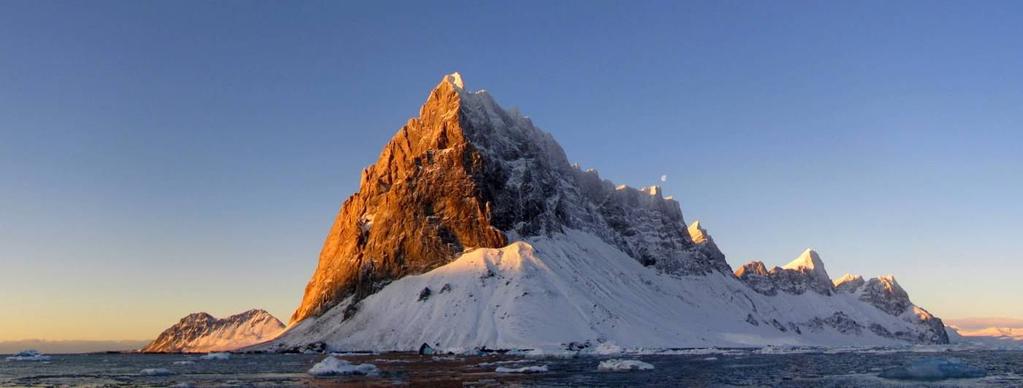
161	158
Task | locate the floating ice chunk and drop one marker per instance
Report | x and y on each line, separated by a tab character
770	349
525	369
184	362
608	348
332	366
156	372
28	355
343	354
215	356
618	365
931	369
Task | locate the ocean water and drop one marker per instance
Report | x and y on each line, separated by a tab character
734	368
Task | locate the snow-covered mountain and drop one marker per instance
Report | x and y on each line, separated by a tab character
473	229
201	332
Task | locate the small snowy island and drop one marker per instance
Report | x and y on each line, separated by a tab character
28	355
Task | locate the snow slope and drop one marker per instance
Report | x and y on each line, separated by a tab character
547	292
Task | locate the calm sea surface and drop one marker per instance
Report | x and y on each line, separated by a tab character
1003	368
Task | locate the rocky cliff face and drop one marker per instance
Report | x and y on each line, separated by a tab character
201	332
468	174
417	207
887	295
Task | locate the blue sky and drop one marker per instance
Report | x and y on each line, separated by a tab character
160	158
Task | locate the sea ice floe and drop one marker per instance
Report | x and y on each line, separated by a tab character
215	356
617	365
931	369
392	361
525	369
332	366
502	362
156	372
770	349
184	362
694	352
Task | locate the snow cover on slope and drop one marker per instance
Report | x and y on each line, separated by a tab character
201	332
549	292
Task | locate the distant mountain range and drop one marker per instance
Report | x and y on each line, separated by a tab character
1005	330
70	346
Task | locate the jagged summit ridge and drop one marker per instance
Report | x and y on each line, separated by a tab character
805	273
466	174
202	332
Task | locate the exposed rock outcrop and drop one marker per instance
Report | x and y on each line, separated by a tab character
757	277
886	294
704	242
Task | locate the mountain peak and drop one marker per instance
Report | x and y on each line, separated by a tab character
200	316
890	284
455	79
809	261
462	175
423	237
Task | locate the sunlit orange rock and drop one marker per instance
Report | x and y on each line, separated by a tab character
427	172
